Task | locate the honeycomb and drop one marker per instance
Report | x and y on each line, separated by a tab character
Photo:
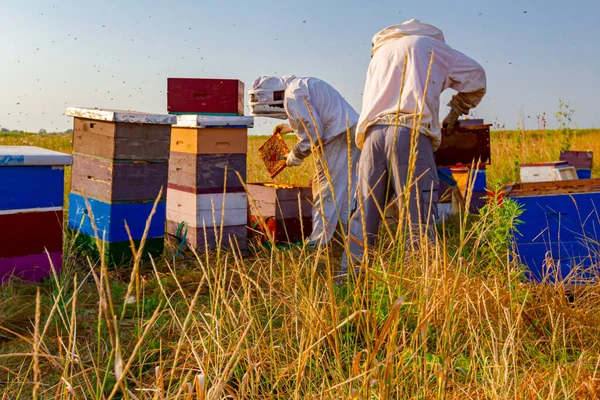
270	151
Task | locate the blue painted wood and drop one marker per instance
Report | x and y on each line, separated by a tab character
566	225
24	187
575	260
560	217
584	173
480	183
110	218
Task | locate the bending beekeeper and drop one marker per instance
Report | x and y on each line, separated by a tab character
321	119
384	160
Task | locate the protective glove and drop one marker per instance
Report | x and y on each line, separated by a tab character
282	129
291	160
450	121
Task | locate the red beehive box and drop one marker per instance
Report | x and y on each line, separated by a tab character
205	96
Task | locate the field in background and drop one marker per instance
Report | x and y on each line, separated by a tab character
455	321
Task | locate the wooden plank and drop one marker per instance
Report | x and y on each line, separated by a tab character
214	121
206	190
30	268
231	236
524	189
108	181
31	187
207	209
121	141
205	95
210	140
29	233
126	116
110	218
207	171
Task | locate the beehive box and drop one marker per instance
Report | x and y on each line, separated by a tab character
547	171
279	212
205	96
31	211
207	173
581	160
120	166
468	143
558	238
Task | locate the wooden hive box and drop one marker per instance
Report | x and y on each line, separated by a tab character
205	96
280	213
558	238
120	165
468	143
31	211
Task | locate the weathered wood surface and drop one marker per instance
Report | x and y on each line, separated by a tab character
207	171
207	239
465	145
127	116
30	268
205	95
214	121
578	159
121	141
28	233
286	202
109	181
210	140
280	230
207	209
30	155
526	189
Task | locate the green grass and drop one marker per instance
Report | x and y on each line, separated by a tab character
451	321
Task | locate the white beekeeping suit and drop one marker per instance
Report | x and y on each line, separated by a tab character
321	119
384	165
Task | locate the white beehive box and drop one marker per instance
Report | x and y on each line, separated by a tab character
547	172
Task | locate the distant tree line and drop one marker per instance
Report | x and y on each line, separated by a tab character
41	131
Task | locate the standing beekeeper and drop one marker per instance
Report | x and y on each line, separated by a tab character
385	151
321	119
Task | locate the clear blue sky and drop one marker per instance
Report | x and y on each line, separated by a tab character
119	54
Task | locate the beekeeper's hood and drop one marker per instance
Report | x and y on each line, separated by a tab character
267	96
409	28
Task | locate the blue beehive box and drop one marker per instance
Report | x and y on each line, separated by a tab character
559	237
31	211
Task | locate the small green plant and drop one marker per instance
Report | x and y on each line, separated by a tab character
564	117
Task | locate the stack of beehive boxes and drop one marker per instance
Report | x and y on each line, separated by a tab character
207	205
120	165
31	211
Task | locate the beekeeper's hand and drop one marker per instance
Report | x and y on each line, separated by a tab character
282	129
291	160
450	121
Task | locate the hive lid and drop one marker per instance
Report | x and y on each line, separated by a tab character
214	121
30	155
126	116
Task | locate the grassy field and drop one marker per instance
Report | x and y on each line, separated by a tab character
452	321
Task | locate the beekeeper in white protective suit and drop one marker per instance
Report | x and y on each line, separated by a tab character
321	119
386	160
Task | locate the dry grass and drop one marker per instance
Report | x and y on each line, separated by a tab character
450	321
